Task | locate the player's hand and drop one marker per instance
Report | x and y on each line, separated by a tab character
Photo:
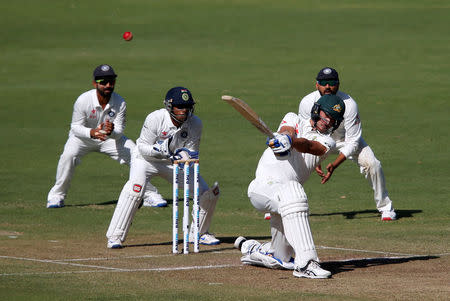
280	144
184	154
108	127
330	169
319	171
98	133
161	149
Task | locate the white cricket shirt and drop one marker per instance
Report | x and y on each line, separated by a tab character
158	126
88	114
296	166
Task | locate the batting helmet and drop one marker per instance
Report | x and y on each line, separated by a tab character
332	105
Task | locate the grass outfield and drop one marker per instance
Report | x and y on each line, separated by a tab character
392	58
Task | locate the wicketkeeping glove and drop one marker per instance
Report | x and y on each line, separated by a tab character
161	149
184	154
280	144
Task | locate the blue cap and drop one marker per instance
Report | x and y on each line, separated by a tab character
327	73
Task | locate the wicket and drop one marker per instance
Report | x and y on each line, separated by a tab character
196	205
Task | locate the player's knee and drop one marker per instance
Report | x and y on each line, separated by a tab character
292	199
134	190
210	195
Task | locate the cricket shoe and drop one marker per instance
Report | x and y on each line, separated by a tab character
114	243
206	239
55	204
388	215
155	201
254	255
311	270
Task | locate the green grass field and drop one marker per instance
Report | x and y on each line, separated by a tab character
393	58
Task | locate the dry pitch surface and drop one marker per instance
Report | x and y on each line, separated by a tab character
361	274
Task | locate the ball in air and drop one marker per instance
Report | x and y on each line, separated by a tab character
127	36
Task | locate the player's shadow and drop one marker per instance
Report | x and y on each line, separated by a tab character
211	249
336	267
112	202
368	213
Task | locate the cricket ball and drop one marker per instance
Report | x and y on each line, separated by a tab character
127	36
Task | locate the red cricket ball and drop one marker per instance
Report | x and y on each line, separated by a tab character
127	36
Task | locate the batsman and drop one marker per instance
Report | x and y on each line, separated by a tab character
171	133
293	153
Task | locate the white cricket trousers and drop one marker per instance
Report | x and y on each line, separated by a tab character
75	149
373	172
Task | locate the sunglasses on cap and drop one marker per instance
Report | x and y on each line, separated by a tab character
105	81
331	82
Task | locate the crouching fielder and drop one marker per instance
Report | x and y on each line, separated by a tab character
168	134
285	165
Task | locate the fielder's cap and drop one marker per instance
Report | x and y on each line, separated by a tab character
179	96
327	73
103	71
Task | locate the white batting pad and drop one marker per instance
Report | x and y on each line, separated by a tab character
126	208
208	201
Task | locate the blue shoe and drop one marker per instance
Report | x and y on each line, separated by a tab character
55	204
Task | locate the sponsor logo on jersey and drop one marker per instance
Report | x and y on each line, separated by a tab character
137	188
164	134
93	114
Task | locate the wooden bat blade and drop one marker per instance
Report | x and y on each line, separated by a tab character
248	113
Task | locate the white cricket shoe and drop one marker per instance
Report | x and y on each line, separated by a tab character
114	243
155	201
55	203
207	239
311	270
388	215
254	255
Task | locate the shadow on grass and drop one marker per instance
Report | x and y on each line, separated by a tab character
369	213
216	248
336	267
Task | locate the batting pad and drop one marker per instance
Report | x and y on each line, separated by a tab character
126	208
208	201
294	214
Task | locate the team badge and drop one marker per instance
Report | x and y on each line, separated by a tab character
327	71
184	134
337	108
105	68
185	96
137	188
111	114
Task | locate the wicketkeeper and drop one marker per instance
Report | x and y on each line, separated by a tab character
168	134
297	148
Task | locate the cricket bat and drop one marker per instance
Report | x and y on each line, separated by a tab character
248	113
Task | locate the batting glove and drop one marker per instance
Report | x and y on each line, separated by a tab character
280	144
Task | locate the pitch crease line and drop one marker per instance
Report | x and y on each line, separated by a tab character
368	251
129	270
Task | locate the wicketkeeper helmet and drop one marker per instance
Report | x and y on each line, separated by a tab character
179	97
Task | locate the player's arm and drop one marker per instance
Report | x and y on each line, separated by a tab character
331	167
301	144
352	126
79	120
